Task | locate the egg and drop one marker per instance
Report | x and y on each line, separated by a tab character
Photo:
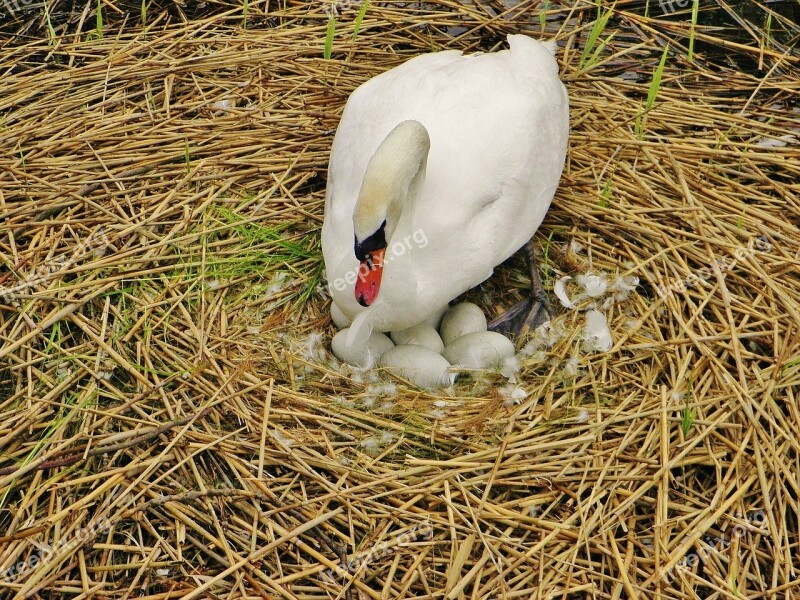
418	364
460	320
365	354
338	317
421	335
479	350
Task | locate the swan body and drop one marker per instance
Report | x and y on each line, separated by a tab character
440	170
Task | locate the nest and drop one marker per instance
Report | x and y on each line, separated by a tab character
173	426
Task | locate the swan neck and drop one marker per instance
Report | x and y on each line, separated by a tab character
393	179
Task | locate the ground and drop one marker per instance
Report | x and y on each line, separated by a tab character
172	424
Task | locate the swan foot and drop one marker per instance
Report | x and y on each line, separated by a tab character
530	313
524	316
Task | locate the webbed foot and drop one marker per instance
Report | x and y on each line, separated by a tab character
529	313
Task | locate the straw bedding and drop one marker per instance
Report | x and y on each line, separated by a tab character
172	425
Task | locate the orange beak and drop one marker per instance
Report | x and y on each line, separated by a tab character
370	272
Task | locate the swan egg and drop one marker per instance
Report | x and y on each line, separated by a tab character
479	350
421	335
460	320
418	364
364	354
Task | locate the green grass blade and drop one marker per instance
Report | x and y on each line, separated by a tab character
605	194
51	32
329	38
688	414
601	46
687	420
768	30
599	25
543	8
99	21
695	8
362	11
652	94
655	85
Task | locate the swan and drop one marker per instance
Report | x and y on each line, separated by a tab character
440	170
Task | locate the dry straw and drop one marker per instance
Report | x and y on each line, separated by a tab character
170	426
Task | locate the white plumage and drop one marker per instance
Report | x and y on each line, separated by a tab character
498	127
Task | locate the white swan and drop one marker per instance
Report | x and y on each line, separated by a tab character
440	170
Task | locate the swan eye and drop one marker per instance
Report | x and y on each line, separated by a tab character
373	242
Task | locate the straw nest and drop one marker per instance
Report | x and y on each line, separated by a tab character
172	426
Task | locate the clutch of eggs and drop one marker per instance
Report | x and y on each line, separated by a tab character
424	355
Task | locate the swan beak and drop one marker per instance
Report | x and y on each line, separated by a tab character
370	272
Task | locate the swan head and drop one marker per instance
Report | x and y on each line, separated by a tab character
394	175
370	253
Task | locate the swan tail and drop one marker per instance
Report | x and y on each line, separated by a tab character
536	54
